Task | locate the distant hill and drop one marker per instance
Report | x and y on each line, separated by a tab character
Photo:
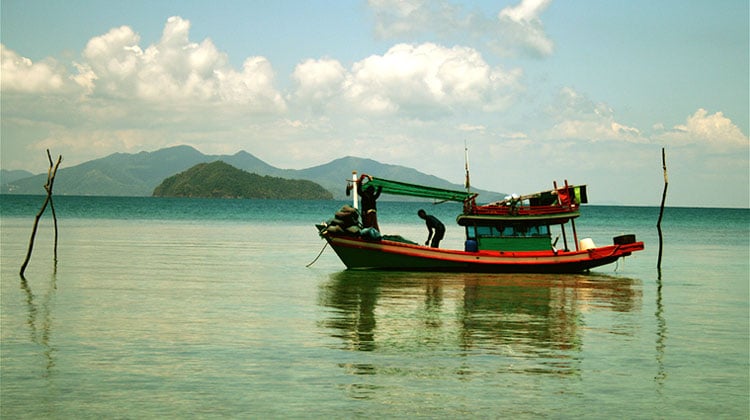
119	174
221	180
7	176
138	174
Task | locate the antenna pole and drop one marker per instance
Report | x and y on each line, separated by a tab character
466	160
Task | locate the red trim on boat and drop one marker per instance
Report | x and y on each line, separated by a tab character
382	249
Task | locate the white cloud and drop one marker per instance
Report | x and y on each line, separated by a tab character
22	75
111	63
594	131
418	80
515	29
522	25
471	128
412	81
577	117
86	78
514	136
253	87
526	11
716	131
399	17
319	80
175	70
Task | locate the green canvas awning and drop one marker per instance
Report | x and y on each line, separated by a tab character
414	190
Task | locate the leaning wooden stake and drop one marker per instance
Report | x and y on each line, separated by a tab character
48	200
661	210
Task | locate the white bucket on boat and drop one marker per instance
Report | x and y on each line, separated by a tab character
586	243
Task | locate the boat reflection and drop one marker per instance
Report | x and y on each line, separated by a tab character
537	318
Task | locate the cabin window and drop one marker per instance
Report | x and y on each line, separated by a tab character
485	231
538	231
509	231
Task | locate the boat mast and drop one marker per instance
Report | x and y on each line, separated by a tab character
355	198
466	160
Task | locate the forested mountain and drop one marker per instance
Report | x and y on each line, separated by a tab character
138	174
221	180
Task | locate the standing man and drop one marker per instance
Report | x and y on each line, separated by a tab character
369	196
432	223
369	209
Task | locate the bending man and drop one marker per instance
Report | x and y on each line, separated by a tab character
432	224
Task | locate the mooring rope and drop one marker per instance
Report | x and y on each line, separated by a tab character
319	254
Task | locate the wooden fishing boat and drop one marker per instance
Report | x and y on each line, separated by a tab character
512	235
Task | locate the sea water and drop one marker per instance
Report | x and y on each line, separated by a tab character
199	308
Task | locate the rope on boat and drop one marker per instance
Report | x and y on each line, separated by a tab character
319	254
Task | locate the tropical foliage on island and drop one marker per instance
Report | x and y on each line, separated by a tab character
221	180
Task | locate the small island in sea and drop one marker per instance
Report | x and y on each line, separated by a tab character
221	180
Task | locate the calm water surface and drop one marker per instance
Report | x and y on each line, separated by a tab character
204	308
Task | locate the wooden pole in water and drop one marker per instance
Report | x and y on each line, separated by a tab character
48	188
51	172
661	209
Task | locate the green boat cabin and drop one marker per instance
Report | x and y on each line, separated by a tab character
509	237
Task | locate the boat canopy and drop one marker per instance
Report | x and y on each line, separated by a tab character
414	190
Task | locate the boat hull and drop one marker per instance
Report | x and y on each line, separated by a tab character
361	254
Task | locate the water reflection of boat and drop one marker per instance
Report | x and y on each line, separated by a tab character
535	318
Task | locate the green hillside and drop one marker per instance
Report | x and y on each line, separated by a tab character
221	180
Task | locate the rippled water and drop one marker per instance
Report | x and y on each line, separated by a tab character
212	313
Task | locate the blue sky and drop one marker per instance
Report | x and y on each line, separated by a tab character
541	90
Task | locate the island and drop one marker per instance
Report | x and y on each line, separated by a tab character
221	180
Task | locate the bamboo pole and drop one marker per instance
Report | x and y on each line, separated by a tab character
661	209
51	172
355	190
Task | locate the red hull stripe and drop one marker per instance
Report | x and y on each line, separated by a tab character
381	255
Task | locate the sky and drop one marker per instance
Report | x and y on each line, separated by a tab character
537	90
